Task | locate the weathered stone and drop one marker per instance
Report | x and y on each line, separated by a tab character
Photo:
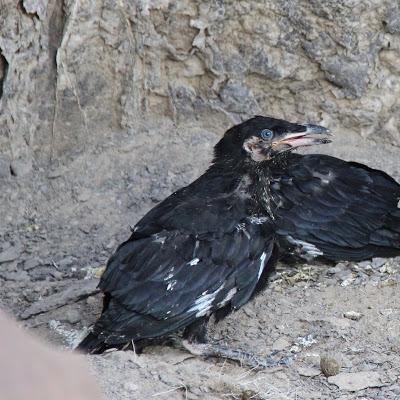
334	270
237	98
20	167
354	315
75	291
4	168
66	261
308	371
20	276
43	272
72	316
392	19
377	262
208	63
280	344
329	365
364	264
356	380
83	195
352	76
31	263
10	254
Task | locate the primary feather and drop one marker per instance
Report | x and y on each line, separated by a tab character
340	210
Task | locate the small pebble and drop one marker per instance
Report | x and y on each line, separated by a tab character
10	254
56	173
66	261
308	371
377	262
20	167
364	264
83	195
347	282
280	344
333	270
71	316
386	269
344	274
248	394
354	315
31	263
329	366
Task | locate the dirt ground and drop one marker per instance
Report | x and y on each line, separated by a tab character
61	226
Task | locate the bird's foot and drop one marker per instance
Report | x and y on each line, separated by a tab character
242	357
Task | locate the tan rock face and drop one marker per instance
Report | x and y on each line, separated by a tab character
73	71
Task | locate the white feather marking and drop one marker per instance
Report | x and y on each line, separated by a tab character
195	261
172	284
325	178
203	303
247	234
167	313
159	239
262	264
196	246
242	227
309	249
168	277
258	220
228	297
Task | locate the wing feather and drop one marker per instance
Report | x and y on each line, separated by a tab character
197	256
345	210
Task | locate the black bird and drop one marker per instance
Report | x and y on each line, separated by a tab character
210	247
207	248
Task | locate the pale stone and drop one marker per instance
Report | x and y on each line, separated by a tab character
355	381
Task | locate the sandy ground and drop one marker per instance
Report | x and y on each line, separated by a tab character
61	227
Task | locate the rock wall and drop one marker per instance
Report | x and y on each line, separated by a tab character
72	72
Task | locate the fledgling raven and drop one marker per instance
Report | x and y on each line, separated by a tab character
207	248
210	246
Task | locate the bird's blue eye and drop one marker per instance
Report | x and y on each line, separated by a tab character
267	134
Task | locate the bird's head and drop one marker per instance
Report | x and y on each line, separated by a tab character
262	138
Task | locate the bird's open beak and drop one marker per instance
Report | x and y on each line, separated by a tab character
308	137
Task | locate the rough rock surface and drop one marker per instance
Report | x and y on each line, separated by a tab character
73	72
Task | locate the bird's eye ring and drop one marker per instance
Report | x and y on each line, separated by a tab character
267	134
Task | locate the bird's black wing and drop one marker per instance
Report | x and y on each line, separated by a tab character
336	210
187	258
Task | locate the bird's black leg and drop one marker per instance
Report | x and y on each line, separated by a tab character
196	332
